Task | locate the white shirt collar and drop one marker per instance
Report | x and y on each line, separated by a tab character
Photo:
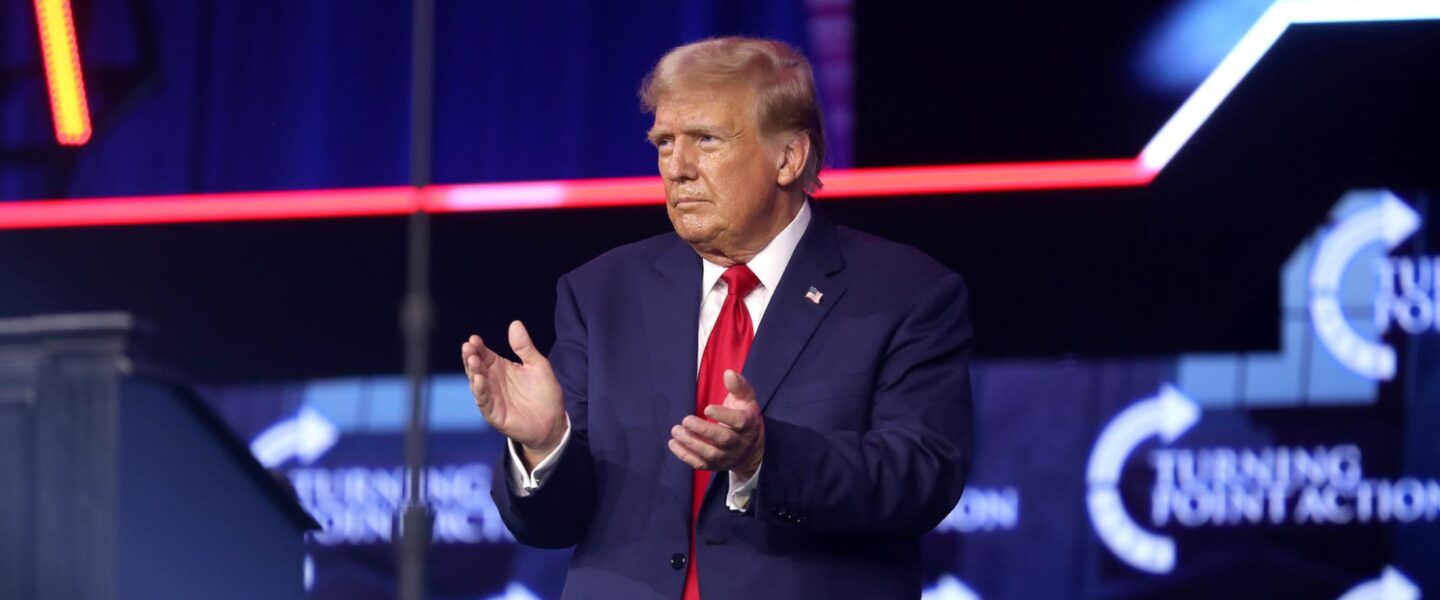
769	264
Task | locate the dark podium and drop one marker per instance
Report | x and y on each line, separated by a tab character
117	482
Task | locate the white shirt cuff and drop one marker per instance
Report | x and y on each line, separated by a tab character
739	498
526	482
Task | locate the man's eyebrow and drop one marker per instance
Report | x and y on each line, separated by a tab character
699	130
655	135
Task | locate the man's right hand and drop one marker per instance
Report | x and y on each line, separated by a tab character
523	401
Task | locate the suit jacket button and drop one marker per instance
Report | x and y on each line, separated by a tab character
677	561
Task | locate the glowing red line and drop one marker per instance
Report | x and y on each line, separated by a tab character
992	177
200	208
530	195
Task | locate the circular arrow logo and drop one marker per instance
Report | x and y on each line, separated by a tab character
1166	415
1386	220
306	436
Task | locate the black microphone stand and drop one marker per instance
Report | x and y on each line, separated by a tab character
417	518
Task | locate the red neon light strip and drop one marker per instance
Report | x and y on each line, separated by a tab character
63	75
992	177
528	195
200	208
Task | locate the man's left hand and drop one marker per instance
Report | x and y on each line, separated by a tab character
734	442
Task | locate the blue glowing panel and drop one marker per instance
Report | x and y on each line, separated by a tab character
1192	39
1275	379
1211	380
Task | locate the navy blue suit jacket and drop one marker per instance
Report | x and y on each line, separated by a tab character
866	398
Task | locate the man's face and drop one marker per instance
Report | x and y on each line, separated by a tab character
720	171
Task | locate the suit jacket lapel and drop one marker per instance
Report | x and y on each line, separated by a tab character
672	317
791	319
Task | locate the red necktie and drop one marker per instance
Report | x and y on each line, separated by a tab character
726	349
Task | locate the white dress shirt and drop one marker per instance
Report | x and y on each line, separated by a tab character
768	266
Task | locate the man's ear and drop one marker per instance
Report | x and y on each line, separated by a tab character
793	156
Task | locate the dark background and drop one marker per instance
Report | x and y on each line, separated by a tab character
1082	299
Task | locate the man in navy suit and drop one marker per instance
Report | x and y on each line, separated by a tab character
832	401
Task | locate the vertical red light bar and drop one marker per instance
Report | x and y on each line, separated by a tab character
62	71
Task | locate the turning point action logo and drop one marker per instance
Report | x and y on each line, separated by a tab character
356	504
1228	487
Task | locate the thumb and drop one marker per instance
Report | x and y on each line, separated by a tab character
738	387
523	346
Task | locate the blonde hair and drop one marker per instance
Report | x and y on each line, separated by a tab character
783	81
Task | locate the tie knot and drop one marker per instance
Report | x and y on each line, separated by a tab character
741	280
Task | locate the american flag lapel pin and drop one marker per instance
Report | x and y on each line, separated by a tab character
813	295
